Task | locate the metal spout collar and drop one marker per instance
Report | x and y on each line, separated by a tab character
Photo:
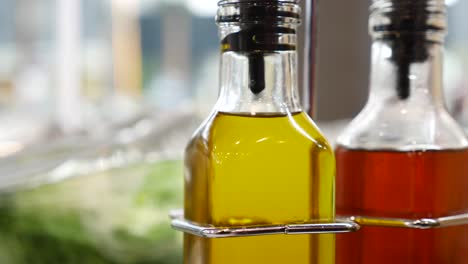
393	19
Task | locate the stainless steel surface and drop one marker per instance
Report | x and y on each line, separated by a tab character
343	225
288	12
423	223
225	2
456	220
384	13
179	223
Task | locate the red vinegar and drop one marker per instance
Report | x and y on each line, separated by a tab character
416	184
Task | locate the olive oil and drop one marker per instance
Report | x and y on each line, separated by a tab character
244	169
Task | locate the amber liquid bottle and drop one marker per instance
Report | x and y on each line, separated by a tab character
259	159
404	157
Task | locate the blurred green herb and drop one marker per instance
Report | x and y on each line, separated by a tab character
127	224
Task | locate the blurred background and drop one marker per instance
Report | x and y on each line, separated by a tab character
99	97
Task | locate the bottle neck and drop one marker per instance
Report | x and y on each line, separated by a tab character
399	81
406	109
259	83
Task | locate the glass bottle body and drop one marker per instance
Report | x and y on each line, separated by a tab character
409	185
403	157
259	159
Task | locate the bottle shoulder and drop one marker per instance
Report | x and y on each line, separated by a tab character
403	127
292	130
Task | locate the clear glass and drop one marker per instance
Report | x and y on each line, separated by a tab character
259	159
418	122
280	95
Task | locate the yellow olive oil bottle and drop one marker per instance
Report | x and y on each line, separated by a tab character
259	159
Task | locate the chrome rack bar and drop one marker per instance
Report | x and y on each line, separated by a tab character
423	223
456	220
208	231
343	225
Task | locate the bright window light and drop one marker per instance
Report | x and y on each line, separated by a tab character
204	8
451	2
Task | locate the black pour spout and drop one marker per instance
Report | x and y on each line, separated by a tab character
260	24
406	27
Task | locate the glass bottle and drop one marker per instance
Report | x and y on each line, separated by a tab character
259	159
404	156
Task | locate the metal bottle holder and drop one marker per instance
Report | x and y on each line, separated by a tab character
342	225
422	223
209	231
